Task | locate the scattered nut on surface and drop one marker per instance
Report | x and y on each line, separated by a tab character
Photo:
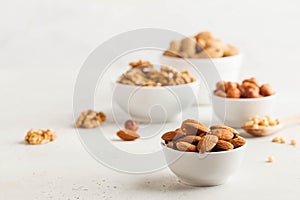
90	119
40	136
293	142
276	139
249	88
143	73
131	125
282	141
259	122
270	159
193	134
202	45
127	135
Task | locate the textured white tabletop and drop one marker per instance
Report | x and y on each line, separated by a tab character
43	46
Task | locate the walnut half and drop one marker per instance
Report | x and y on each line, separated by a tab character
40	136
90	119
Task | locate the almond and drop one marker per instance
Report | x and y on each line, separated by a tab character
193	127
170	145
189	139
207	143
185	146
127	135
224	145
224	127
173	135
223	134
238	142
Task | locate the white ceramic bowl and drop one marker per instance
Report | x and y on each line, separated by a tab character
155	104
210	169
208	71
235	112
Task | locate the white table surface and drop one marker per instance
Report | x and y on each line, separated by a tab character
42	46
37	98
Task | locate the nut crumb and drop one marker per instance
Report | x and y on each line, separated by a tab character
293	142
276	139
270	159
282	141
261	122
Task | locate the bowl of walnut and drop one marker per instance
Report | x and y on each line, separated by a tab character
205	57
234	103
202	156
155	95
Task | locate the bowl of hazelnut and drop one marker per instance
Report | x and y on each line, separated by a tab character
204	56
234	103
150	94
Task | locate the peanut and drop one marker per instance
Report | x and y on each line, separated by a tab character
259	121
270	159
293	142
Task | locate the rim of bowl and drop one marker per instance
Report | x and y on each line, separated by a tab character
157	87
247	99
208	153
206	59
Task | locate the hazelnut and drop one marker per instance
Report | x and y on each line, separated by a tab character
220	93
252	80
249	90
221	85
230	85
233	93
251	93
242	90
131	125
248	85
266	90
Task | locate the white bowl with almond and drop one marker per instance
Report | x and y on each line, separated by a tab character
201	156
152	95
235	103
205	57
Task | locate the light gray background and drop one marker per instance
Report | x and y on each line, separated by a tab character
44	43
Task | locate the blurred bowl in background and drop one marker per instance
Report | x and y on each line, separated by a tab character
208	71
155	104
235	112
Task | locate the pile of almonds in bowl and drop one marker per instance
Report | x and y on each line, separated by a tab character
249	88
202	45
194	136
